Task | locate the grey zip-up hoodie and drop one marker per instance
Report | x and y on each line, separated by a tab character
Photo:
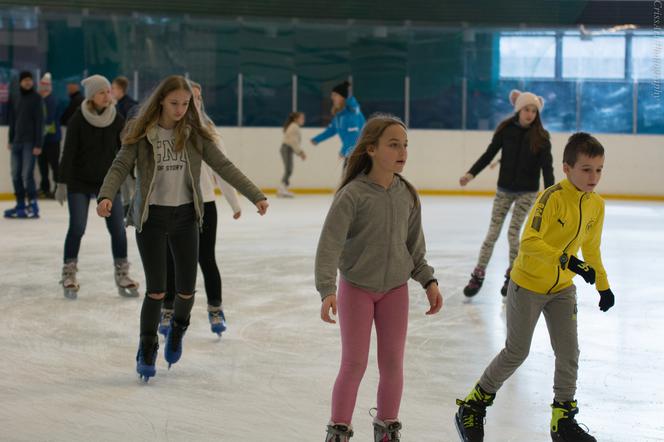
374	237
142	154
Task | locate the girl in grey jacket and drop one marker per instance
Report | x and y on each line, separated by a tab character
167	143
373	235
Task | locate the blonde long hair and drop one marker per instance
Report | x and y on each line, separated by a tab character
205	118
148	115
360	161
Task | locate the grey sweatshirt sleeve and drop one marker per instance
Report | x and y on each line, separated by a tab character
331	242
422	272
122	165
229	173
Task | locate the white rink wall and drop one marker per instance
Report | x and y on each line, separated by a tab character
437	159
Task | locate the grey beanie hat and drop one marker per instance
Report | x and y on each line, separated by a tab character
94	84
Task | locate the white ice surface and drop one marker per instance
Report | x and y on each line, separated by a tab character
67	368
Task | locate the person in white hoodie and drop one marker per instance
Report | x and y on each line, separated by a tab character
290	146
208	239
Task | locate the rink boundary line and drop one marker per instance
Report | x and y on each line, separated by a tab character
428	192
483	193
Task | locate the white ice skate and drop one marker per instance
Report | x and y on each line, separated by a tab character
68	281
283	192
127	287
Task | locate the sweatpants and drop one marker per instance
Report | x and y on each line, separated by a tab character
523	310
523	202
358	310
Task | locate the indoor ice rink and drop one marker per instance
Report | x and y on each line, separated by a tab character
68	367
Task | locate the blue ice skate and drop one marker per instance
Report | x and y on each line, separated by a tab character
165	321
173	349
217	319
146	357
18	211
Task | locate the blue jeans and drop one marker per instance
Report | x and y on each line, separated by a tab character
23	171
78	204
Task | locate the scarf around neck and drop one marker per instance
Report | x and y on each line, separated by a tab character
104	119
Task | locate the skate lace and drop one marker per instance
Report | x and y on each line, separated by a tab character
392	432
68	278
389	431
166	317
216	317
472	416
576	428
122	270
338	433
476	279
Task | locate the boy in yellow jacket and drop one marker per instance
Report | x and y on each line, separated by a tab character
567	216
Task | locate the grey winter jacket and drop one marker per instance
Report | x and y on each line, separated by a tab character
374	237
142	155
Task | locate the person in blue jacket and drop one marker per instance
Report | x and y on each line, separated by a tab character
347	120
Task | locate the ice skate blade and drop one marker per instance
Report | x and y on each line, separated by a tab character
144	379
458	425
128	292
71	294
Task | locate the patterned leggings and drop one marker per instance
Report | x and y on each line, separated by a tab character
523	201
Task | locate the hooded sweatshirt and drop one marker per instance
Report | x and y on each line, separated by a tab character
374	237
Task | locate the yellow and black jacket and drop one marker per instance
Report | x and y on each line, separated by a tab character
562	220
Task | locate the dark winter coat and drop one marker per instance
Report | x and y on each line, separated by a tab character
75	101
26	118
127	107
519	166
88	153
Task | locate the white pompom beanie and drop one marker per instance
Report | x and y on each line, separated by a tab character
522	99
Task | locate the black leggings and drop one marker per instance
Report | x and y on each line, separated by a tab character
174	229
49	158
206	259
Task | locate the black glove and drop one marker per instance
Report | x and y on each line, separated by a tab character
579	267
606	299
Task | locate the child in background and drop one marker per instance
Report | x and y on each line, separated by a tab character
347	120
525	150
291	144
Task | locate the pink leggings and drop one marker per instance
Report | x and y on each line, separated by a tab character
357	309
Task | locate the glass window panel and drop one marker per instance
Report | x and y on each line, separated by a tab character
527	56
596	57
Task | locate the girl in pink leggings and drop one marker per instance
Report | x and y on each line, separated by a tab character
373	235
